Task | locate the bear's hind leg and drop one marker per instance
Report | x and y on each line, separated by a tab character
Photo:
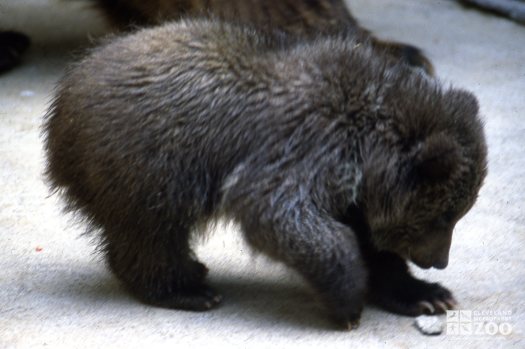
160	268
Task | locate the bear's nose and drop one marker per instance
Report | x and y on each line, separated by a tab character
441	263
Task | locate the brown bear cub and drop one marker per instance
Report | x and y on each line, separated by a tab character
332	157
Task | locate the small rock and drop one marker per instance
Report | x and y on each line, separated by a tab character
429	325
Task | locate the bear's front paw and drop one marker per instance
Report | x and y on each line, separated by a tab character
414	297
436	299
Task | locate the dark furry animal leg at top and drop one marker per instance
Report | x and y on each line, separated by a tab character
12	46
409	54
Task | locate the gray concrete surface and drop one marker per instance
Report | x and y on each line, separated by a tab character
55	291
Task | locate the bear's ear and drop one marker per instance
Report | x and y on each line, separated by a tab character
437	158
462	102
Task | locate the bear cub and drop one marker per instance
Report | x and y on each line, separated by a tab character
333	158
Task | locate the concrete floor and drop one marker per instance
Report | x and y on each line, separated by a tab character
56	292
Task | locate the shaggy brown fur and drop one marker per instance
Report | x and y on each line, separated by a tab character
298	17
332	158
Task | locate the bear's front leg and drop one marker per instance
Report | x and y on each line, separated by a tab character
393	288
324	251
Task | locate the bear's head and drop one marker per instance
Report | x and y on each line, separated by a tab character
423	174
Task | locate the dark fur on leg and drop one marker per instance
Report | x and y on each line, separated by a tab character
390	284
409	54
324	251
12	46
393	288
166	278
